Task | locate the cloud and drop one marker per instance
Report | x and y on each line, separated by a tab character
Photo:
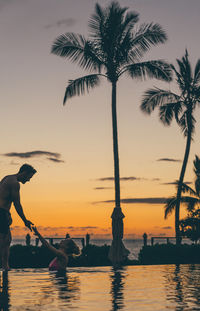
168	160
81	228
56	160
51	156
131	178
138	200
175	183
105	179
31	154
102	188
68	22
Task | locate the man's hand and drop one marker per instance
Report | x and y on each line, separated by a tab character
28	224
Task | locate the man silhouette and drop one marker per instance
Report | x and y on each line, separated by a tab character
10	193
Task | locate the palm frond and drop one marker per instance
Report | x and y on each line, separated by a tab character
130	19
157	69
146	36
179	79
68	45
170	206
196	213
188	189
80	85
155	98
197	73
185	188
96	22
78	50
166	113
197	186
185	79
109	27
185	127
124	53
196	164
190	202
178	108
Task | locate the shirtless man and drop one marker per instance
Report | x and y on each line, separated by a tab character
10	193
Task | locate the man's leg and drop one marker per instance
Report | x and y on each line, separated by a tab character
6	250
2	243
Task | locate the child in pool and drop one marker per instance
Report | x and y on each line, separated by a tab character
66	248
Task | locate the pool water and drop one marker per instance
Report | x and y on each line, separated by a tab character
162	287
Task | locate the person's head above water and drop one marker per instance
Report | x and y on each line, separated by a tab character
69	247
25	173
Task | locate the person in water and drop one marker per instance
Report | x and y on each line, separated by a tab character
67	247
10	193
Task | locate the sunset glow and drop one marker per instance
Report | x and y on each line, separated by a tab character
73	144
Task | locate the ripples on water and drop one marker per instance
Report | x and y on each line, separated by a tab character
150	288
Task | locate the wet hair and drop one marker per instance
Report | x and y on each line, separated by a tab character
27	168
71	248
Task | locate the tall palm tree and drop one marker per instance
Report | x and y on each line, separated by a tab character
181	107
114	48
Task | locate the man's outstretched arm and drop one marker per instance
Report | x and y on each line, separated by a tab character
18	206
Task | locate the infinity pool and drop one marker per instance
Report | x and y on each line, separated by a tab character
164	287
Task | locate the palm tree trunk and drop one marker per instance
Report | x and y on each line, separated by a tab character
182	174
117	253
115	147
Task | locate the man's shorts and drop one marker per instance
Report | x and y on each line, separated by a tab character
5	221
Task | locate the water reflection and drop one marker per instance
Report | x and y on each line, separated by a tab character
37	290
141	288
117	284
183	286
4	292
68	286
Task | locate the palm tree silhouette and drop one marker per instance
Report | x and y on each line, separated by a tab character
181	107
190	199
114	48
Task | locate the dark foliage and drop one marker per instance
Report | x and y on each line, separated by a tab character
39	257
170	254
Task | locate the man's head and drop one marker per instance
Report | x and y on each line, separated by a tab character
25	173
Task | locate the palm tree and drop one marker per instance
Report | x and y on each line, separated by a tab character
181	107
114	48
190	224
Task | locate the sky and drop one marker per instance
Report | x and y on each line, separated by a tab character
71	146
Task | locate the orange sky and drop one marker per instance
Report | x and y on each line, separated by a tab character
66	194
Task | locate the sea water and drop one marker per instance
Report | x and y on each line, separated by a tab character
140	288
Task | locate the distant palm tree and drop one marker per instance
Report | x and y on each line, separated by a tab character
191	201
114	48
181	107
